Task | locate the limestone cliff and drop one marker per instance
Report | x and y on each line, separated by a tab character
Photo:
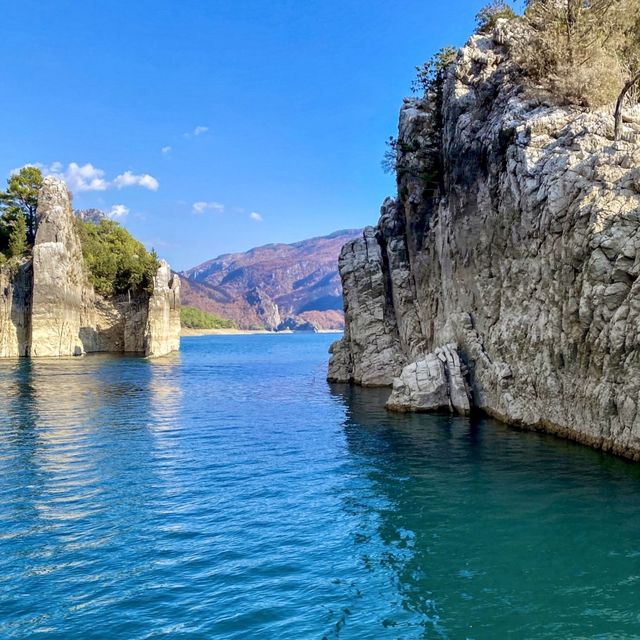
15	309
524	264
163	318
49	308
60	294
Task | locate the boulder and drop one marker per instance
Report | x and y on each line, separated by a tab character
433	383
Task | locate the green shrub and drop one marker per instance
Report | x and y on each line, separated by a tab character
198	319
582	52
390	157
423	160
21	197
116	262
18	236
489	15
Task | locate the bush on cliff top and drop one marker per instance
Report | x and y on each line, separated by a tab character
427	155
582	52
198	319
18	211
488	16
117	263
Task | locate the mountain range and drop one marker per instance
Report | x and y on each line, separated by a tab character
276	286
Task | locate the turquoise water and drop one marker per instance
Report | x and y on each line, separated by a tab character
229	492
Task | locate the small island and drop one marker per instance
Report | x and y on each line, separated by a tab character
70	286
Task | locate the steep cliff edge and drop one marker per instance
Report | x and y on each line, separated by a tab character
525	263
48	308
15	309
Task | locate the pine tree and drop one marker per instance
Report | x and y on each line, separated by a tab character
18	236
21	195
584	52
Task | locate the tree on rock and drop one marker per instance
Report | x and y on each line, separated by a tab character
585	53
488	16
21	197
18	236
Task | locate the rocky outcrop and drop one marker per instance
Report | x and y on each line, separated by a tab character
370	352
61	295
526	257
297	325
265	308
433	383
15	309
163	319
48	308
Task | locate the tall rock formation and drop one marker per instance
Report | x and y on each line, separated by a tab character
48	308
162	333
60	293
15	309
524	264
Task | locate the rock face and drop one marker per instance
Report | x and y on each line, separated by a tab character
436	382
48	308
265	308
526	257
298	326
15	309
163	319
60	295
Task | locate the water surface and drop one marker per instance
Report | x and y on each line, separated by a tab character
229	492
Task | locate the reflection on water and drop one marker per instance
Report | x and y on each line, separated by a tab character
229	492
488	531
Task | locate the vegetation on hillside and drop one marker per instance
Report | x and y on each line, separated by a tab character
18	205
117	262
488	16
580	53
584	53
428	85
197	319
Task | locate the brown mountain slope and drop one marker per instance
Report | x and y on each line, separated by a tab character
270	285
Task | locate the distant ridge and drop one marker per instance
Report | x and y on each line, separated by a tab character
275	285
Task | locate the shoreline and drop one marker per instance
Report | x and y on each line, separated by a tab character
186	332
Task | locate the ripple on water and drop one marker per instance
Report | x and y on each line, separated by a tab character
229	492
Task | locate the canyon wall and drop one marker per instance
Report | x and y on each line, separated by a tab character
15	309
519	275
48	308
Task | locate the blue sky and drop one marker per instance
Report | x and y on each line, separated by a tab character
210	126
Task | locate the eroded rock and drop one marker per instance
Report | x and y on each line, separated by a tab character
48	308
528	260
435	382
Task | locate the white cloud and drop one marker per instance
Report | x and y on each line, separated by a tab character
166	149
202	207
118	211
254	215
129	179
198	131
86	177
78	177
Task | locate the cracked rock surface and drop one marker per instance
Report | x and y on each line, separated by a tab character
48	308
435	382
527	260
